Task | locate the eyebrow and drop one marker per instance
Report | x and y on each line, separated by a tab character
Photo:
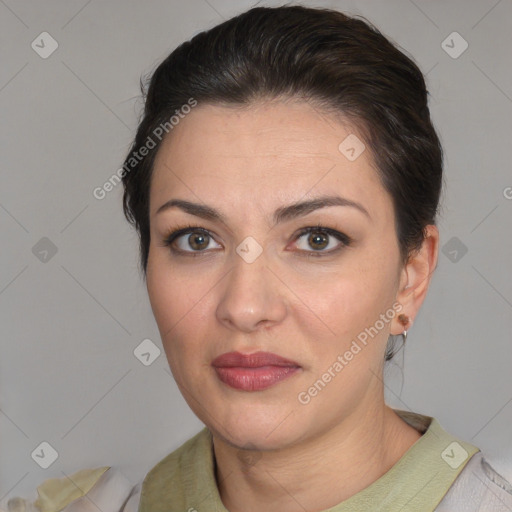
282	214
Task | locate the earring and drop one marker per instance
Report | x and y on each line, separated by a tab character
404	320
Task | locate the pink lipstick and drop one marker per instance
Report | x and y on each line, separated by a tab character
253	372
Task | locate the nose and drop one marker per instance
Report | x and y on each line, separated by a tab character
252	297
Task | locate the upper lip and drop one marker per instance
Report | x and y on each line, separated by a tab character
254	360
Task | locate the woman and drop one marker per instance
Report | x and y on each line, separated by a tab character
284	182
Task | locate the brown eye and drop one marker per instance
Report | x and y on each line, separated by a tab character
189	240
198	241
319	238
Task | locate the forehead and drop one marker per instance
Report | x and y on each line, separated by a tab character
266	154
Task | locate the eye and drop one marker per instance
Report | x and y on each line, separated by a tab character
190	239
322	240
194	240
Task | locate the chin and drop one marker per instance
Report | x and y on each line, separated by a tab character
258	428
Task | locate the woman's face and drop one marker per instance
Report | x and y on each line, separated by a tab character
249	281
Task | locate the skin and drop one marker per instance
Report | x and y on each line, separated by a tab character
247	162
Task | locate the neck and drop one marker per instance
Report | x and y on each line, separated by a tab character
361	448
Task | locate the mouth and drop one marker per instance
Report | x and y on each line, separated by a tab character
253	372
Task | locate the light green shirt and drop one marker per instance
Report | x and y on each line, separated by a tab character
185	480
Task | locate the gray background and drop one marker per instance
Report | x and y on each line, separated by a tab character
70	324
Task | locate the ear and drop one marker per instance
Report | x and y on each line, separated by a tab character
415	279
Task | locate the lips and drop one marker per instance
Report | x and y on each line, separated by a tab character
253	372
256	360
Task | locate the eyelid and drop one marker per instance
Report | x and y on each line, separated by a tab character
343	239
182	231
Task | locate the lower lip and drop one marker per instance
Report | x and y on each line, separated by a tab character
254	379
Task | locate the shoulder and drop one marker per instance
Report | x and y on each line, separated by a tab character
478	487
176	467
107	487
188	449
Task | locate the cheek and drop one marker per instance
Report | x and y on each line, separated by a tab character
330	307
336	307
179	300
350	295
173	292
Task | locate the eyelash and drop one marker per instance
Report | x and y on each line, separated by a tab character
345	240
